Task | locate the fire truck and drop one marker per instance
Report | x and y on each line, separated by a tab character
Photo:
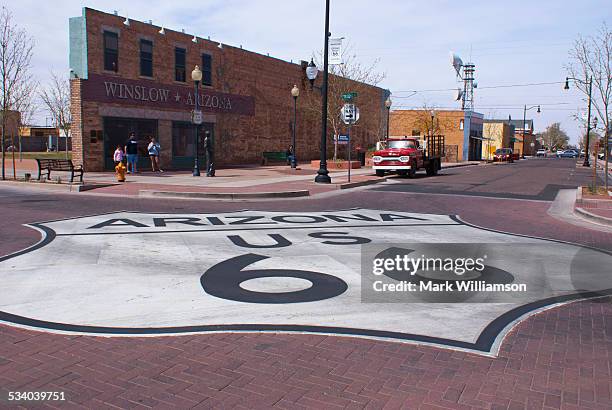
406	155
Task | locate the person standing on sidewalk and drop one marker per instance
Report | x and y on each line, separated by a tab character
118	155
154	150
131	151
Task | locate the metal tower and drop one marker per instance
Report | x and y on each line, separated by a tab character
467	101
465	72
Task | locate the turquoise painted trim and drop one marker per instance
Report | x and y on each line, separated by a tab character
78	46
467	120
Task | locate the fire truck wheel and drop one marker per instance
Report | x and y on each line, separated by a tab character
380	172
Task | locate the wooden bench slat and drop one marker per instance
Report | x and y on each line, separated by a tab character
49	165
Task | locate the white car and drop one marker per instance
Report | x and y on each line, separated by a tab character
541	152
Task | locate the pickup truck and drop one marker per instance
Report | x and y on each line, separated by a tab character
406	155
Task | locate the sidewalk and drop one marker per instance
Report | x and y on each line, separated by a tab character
229	183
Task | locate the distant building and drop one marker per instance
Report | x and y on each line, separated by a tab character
463	130
496	134
524	137
40	138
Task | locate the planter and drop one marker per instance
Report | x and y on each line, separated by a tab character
331	164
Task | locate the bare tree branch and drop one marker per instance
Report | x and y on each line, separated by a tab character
15	61
591	58
350	76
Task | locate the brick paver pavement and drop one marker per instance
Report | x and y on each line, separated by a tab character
560	358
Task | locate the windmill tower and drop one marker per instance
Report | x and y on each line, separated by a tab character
465	73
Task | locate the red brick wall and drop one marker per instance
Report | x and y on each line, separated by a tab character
238	138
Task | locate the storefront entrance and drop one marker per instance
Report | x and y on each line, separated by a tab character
183	144
117	132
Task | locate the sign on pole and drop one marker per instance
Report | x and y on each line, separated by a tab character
349	96
343	139
196	117
349	114
335	51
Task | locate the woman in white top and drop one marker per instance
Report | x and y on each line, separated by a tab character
154	149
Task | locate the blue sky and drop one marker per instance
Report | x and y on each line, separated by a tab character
511	42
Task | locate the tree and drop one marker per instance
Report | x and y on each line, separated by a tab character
554	136
591	57
56	98
350	76
15	60
427	125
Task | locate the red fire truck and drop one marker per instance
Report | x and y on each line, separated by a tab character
406	155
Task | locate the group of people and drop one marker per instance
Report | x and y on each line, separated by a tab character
130	152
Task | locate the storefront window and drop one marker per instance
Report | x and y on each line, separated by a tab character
183	141
117	131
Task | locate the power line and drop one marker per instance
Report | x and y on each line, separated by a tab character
481	88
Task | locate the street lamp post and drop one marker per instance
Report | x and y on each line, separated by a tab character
196	76
322	174
295	93
525	122
433	114
588	82
388	104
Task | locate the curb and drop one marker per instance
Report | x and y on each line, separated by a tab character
88	187
362	183
596	218
223	195
460	166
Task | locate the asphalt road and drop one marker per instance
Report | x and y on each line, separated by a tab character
558	358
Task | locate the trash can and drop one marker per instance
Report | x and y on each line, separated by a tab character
361	155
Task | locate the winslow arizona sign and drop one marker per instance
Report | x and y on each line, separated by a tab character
115	90
135	273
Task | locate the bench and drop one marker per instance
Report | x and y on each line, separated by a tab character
49	165
274	156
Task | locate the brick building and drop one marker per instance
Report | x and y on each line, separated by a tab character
462	130
130	76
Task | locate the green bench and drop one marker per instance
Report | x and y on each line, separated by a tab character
274	156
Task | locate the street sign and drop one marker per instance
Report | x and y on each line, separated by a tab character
349	96
196	117
342	139
349	114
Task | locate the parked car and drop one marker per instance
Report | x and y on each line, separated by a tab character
503	154
541	152
559	152
581	153
570	153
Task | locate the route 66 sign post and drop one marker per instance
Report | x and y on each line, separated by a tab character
350	115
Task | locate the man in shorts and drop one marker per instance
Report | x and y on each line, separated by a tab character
131	151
